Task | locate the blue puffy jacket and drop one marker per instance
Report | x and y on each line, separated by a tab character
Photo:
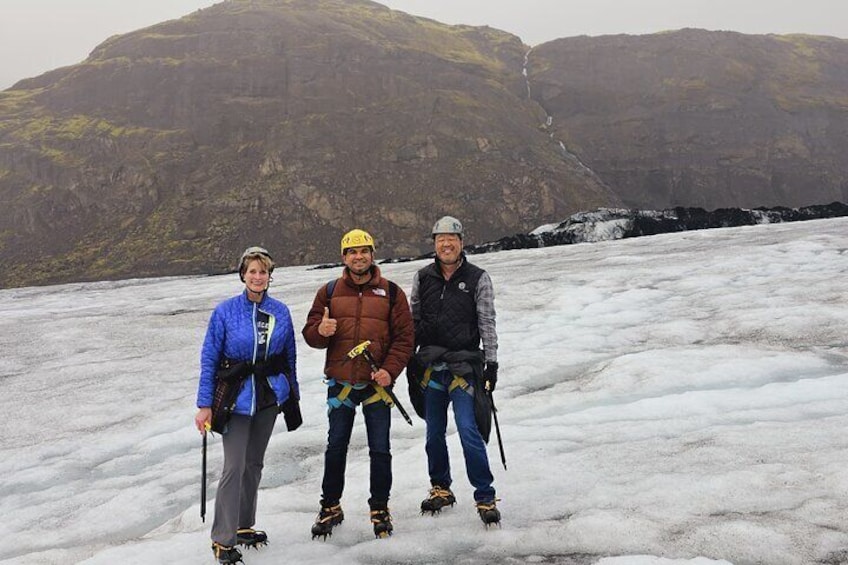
231	334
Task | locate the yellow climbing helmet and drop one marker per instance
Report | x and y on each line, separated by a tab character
357	238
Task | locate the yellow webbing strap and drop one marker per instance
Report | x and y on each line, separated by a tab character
379	394
344	393
342	397
425	380
456	382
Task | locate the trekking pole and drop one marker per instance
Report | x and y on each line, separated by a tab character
497	426
203	477
362	349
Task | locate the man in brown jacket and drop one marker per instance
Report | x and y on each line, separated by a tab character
359	306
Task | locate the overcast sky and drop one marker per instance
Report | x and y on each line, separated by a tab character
39	35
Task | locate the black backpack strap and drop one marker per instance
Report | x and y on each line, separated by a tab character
393	290
331	286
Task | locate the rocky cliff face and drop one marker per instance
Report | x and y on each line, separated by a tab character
698	118
607	224
282	123
287	122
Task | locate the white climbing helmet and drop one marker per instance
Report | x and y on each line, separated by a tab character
447	224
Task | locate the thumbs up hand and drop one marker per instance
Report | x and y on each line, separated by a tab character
327	327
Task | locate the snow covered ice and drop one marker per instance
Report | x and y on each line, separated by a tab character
676	399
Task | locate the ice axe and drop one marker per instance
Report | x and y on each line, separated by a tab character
207	427
362	349
497	426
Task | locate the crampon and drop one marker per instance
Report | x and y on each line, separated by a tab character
489	513
382	522
225	554
250	538
439	498
328	518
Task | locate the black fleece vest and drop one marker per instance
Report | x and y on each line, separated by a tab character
448	309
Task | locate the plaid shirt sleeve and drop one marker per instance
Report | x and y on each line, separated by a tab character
486	317
414	300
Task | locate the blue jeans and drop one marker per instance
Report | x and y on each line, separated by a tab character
378	418
473	448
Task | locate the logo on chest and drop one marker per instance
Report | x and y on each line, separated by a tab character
378	292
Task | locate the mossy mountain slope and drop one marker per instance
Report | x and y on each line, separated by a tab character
287	122
282	123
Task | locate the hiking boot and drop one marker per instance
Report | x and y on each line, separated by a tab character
382	522
489	512
438	499
249	537
226	554
328	518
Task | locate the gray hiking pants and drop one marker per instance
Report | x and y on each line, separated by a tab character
244	454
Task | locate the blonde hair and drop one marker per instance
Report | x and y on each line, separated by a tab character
255	254
261	257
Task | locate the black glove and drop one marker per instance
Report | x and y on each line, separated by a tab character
291	412
490	375
274	365
233	371
415	370
414	375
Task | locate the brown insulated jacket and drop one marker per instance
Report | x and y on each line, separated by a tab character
362	313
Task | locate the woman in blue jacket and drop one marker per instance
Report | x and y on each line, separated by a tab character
254	331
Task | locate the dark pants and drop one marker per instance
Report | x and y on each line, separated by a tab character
377	425
244	455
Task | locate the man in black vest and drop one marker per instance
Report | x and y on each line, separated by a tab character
454	311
